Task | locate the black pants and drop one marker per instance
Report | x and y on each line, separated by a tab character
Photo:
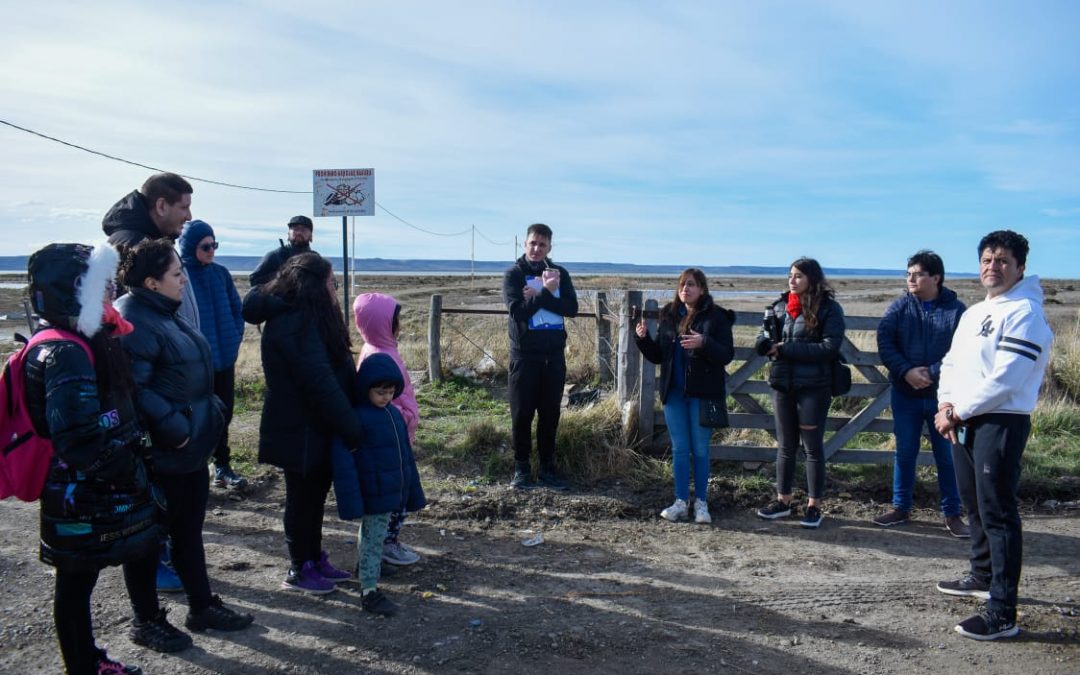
71	609
988	474
536	388
225	388
185	513
305	501
801	407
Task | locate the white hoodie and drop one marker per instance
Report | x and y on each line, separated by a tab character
999	354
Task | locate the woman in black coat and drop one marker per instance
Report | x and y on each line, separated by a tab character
309	374
803	333
174	376
693	344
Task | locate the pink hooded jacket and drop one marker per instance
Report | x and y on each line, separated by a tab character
374	314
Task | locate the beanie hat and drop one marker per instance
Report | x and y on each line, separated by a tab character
194	232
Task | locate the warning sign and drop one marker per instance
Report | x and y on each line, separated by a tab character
344	192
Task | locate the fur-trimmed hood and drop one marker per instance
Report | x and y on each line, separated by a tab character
67	284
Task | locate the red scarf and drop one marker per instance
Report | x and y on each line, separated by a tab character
794	305
110	317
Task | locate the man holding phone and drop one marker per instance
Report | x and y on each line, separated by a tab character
990	381
539	296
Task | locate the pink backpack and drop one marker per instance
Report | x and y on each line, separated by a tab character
24	461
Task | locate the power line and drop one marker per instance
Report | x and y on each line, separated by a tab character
494	243
437	234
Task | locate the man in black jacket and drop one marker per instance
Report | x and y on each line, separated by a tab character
300	235
539	296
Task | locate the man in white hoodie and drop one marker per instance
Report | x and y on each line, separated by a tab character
990	383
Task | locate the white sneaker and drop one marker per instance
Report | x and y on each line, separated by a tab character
676	511
701	512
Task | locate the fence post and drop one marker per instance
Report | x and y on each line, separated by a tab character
434	340
629	356
603	339
647	401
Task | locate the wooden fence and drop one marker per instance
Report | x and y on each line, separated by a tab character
635	382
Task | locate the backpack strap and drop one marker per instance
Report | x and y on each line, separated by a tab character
57	335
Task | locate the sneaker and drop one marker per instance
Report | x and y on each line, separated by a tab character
106	666
522	480
329	572
377	603
158	634
956	526
553	480
812	518
894	517
987	625
218	617
225	477
774	509
967	585
307	579
701	512
676	512
167	579
396	553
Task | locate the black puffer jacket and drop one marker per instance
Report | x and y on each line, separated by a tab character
128	222
526	343
806	357
174	375
96	508
268	267
705	375
308	400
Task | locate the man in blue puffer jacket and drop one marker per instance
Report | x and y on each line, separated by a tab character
221	323
913	337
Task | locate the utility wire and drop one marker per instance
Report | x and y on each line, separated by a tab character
437	234
494	243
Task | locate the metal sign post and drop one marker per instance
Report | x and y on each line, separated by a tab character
344	192
345	268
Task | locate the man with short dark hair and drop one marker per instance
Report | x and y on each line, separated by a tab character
157	210
990	383
300	235
539	296
913	337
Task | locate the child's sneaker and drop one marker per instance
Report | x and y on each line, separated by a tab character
307	580
329	572
106	666
701	512
774	509
812	518
377	603
676	512
399	554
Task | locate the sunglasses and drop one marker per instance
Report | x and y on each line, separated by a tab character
206	248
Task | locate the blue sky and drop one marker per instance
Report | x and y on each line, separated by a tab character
686	133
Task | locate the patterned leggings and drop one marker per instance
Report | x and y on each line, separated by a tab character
397	519
369	545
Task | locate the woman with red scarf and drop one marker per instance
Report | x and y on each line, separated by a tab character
802	337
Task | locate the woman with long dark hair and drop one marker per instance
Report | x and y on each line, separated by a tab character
693	344
174	376
310	375
803	333
96	508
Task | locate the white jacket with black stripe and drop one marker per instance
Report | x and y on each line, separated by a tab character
999	354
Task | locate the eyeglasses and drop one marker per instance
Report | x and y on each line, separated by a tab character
206	248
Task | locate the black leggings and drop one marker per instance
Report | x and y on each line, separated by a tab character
225	388
305	501
795	409
71	609
185	512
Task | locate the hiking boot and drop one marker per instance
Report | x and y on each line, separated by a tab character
307	580
894	517
225	477
812	519
676	512
522	479
158	634
551	478
967	585
774	509
956	526
218	617
701	512
167	579
377	603
987	625
329	572
396	553
106	666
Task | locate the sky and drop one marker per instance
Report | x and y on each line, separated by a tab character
685	133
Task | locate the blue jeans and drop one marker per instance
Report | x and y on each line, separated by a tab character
909	414
687	436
